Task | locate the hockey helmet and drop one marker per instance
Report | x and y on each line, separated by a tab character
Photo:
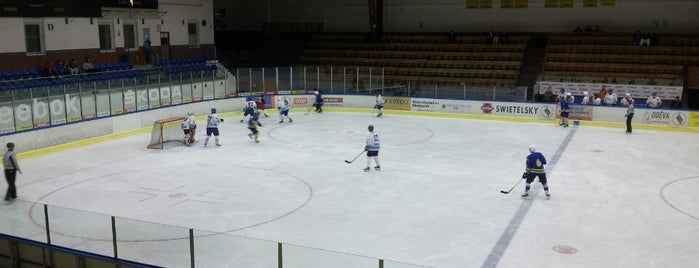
585	93
532	148
190	113
316	92
568	94
213	110
371	127
10	145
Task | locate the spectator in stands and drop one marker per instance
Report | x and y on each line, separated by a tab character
676	103
452	36
48	69
146	49
73	67
88	67
602	92
60	67
654	101
597	100
578	29
637	38
586	99
645	40
597	30
611	98
548	95
625	101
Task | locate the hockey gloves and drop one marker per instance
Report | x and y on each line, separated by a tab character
525	175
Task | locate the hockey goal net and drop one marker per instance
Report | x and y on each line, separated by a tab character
166	133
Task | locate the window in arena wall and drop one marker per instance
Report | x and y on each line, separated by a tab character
105	36
193	34
129	36
33	38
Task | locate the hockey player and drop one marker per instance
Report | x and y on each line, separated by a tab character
565	110
535	168
654	101
319	102
212	122
586	99
610	98
252	125
379	104
284	110
372	146
189	127
248	109
261	103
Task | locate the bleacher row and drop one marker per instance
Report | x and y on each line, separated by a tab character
616	55
416	38
37	73
45	82
467	59
111	71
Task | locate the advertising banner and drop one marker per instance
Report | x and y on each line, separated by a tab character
441	106
512	109
397	103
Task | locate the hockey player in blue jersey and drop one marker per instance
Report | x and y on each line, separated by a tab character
212	122
379	104
319	102
249	108
284	110
253	123
535	168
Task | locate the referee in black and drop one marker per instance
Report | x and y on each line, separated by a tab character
9	161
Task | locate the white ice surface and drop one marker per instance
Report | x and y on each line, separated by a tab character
619	200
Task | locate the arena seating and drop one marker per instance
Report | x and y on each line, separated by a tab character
616	55
109	71
422	58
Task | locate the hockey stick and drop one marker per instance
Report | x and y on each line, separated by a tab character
513	187
308	110
355	158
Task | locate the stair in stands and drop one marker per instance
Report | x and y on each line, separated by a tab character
533	61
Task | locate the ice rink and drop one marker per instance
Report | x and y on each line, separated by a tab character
617	200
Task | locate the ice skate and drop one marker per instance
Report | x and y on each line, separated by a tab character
241	120
218	145
525	195
548	195
377	167
379	115
281	121
250	136
367	169
291	120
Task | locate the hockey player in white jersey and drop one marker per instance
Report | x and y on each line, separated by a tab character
379	104
212	122
372	146
586	99
249	108
610	98
284	109
189	127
